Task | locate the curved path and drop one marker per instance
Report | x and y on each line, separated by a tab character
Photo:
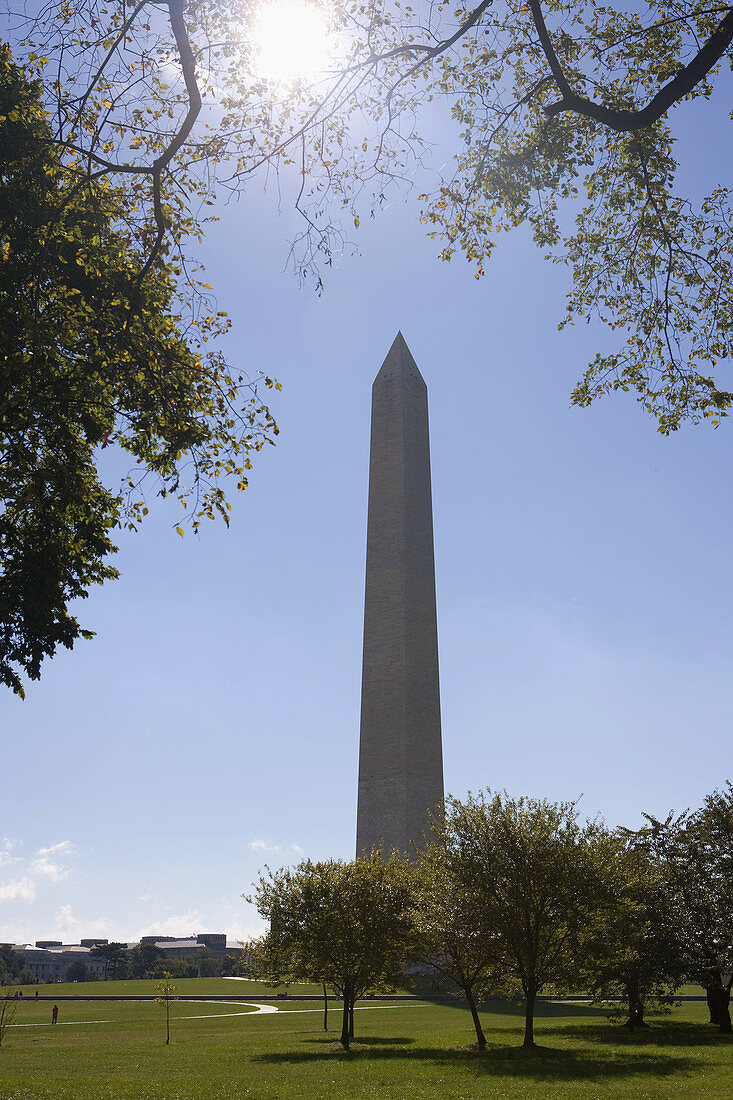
259	1010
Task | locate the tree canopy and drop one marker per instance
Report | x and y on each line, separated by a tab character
113	954
535	882
516	896
456	936
126	119
95	354
696	851
346	924
563	119
633	942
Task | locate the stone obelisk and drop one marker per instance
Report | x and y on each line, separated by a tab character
400	753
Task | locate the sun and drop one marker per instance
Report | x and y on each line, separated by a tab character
291	40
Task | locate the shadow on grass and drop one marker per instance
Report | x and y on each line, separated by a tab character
660	1033
543	1063
543	1009
373	1040
497	1006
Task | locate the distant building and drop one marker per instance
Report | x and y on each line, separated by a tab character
50	963
49	960
185	947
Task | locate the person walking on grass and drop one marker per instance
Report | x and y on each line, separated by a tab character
55	1014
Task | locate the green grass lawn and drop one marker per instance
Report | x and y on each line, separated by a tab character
189	986
116	1051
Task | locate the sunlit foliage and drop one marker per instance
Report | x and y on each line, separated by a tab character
95	353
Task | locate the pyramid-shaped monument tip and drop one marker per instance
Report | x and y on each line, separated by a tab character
399	362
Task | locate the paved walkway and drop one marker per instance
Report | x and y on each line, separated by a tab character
259	1011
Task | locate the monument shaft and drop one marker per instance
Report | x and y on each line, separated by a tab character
400	755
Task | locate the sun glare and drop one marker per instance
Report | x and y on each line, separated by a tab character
291	40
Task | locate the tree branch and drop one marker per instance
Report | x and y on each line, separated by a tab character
188	65
626	121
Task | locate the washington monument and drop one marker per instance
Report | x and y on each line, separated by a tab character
400	754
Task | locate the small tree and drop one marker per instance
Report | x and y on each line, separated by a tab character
345	924
449	920
539	884
8	1009
633	943
167	993
697	850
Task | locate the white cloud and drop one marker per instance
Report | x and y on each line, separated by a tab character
46	863
65	920
63	848
46	868
6	852
238	932
19	889
263	846
68	927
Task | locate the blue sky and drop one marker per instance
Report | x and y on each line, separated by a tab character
584	596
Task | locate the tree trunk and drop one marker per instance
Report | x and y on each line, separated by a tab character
636	1011
351	1018
718	997
325	1008
530	998
480	1037
345	1019
636	1005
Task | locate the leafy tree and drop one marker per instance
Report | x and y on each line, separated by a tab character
201	964
250	960
633	942
564	116
450	921
345	924
112	953
96	352
77	972
167	993
697	850
540	885
11	965
235	963
146	960
207	965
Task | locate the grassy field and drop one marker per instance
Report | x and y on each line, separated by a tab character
116	1051
199	987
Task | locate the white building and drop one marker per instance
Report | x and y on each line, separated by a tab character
50	961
